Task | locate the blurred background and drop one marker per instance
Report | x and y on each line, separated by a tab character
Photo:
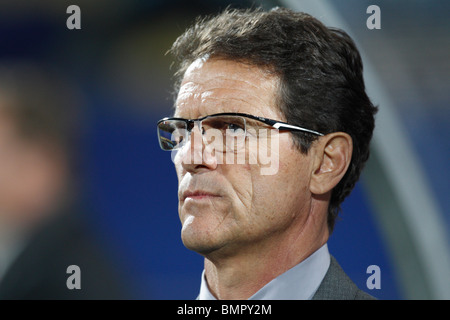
113	82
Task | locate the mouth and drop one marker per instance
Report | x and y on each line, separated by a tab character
198	195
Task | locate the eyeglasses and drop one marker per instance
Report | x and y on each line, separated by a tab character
173	133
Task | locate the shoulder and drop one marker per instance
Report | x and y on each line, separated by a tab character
336	285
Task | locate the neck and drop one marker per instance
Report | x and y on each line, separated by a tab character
250	267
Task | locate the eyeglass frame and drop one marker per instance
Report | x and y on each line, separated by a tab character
276	124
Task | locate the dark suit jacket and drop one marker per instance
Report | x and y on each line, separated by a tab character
338	286
40	271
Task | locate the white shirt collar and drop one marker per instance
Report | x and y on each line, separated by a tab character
298	283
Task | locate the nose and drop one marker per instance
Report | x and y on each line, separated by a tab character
193	156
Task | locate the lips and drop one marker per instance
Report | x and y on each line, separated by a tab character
197	195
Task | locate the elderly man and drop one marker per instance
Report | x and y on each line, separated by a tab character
252	83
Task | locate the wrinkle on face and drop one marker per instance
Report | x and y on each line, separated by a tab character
217	90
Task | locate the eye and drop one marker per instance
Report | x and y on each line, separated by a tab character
235	128
231	125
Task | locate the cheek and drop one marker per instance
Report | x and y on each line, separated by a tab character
286	192
252	203
240	178
266	194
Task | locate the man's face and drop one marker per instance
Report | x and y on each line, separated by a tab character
228	207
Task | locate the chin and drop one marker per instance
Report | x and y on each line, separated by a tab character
199	245
201	237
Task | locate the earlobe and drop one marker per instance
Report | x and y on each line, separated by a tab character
333	154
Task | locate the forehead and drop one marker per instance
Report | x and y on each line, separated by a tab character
214	85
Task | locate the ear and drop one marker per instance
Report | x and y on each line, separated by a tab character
333	154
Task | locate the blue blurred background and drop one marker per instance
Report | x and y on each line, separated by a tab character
118	65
